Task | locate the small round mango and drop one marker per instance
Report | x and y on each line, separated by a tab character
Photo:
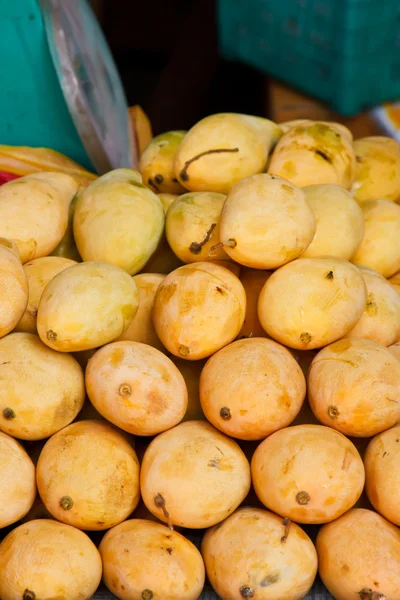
34	212
41	390
43	557
222	149
314	153
312	302
118	220
308	473
251	388
170	565
266	222
354	387
198	309
192	227
86	306
157	163
256	554
88	476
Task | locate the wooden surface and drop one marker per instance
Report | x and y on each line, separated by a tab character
287	104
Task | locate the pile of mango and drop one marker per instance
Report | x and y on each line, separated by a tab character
212	343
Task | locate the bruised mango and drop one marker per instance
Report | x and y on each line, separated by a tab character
314	153
136	387
198	309
88	476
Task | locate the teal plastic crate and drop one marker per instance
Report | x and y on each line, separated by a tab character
345	52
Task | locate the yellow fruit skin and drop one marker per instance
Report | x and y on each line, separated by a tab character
312	302
118	220
382	468
266	222
39	272
17	481
339	222
48	560
381	318
201	475
136	387
395	349
377	169
192	227
222	149
198	309
92	468
246	553
314	153
141	328
251	388
13	285
157	163
317	461
354	387
42	391
140	555
380	249
34	212
360	551
86	306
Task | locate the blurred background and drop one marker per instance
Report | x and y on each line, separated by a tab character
183	59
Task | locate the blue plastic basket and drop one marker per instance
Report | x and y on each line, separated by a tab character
345	52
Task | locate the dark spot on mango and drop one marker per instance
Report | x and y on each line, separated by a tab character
333	412
159	179
302	498
246	591
51	335
66	503
8	414
225	413
147	595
